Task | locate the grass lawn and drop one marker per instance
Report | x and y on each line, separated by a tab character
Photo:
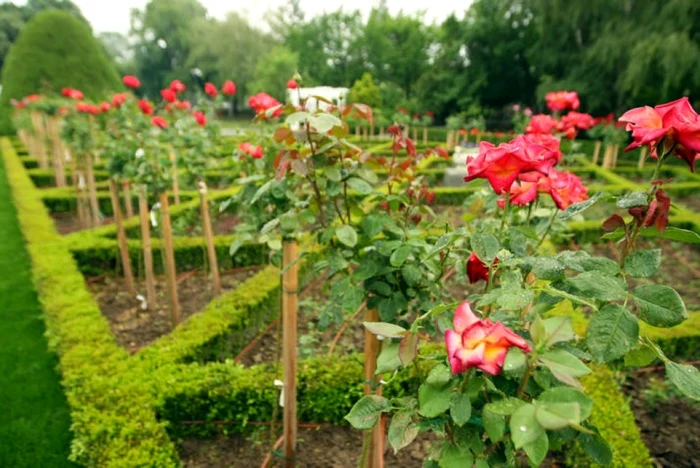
34	416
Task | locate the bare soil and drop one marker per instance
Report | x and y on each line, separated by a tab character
134	327
669	423
68	222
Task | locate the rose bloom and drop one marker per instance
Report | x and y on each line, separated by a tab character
131	81
177	86
675	122
525	190
145	106
229	88
210	89
292	84
159	121
476	269
541	123
118	99
566	189
262	102
168	95
501	165
104	106
562	100
255	152
479	343
200	118
183	105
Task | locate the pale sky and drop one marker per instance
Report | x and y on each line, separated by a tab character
113	15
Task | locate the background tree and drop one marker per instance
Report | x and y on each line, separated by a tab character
365	91
55	50
272	72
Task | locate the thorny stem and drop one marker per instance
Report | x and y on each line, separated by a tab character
549	228
526	378
345	195
391	166
319	199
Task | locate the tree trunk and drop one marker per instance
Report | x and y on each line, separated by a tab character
121	237
127	199
170	268
147	251
375	437
92	189
290	284
209	238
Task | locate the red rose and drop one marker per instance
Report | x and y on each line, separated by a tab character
210	89
66	92
292	84
229	88
131	81
168	95
255	152
476	269
145	106
159	121
183	105
104	106
541	123
562	100
118	99
566	189
177	86
262	102
200	118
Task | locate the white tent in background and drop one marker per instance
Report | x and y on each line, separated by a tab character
337	96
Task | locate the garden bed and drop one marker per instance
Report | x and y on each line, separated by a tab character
134	327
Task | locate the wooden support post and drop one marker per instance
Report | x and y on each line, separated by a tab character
126	187
40	140
642	158
209	238
375	437
121	237
357	131
57	151
79	202
606	157
290	285
448	140
147	251
176	182
92	189
616	152
415	134
596	151
425	135
170	268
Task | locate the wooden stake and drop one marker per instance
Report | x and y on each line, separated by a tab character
176	182
75	179
209	238
616	152
147	252
121	237
448	141
606	157
39	140
596	151
642	158
170	268
375	453
357	131
425	135
290	284
478	138
372	132
126	187
415	133
57	151
92	189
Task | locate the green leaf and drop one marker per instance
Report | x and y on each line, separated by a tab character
515	361
333	173
400	255
547	268
365	270
554	416
323	122
372	225
643	263
296	117
599	286
366	412
460	408
685	377
439	376
558	330
264	188
388	359
368	174
631	199
564	366
536	451
359	185
568	395
269	226
402	430
433	400
639	356
388	330
504	407
659	305
455	457
439	246
596	448
494	424
611	332
412	274
486	247
602	264
524	427
670	233
578	208
347	235
408	348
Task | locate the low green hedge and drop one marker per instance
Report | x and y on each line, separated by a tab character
113	423
46	177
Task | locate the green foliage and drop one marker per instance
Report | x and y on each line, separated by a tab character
55	50
272	72
365	91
